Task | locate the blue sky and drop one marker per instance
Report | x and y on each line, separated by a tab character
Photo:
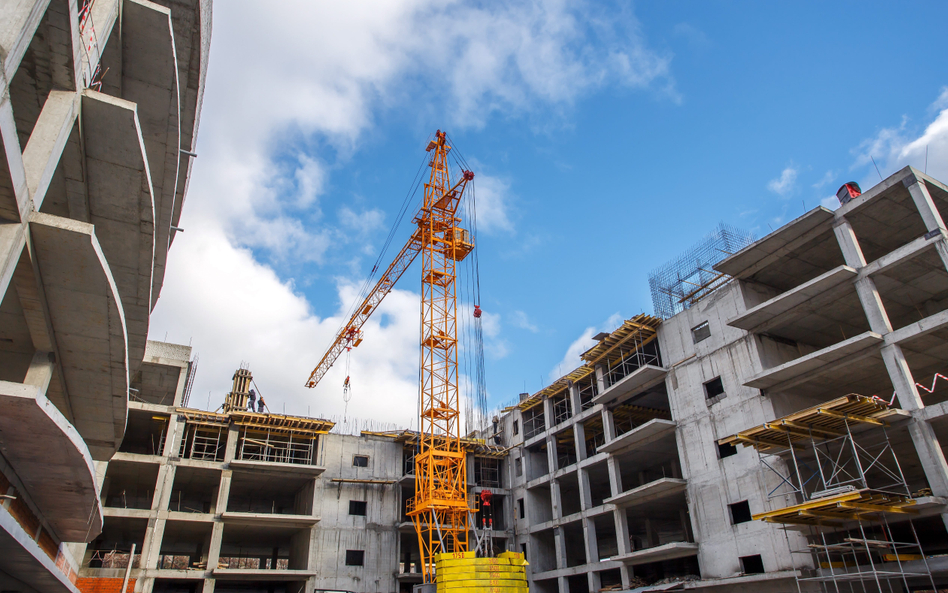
606	139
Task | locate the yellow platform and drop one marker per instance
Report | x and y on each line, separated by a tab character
464	571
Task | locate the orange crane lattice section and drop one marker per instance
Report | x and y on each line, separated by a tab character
439	508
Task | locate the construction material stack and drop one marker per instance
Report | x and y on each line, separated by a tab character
463	571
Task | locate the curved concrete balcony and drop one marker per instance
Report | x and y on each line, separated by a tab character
50	459
149	77
122	207
89	327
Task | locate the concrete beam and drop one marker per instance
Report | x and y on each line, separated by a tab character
45	148
89	327
17	28
49	456
122	207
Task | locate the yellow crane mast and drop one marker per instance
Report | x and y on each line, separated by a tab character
439	508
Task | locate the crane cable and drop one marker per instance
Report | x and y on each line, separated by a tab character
474	288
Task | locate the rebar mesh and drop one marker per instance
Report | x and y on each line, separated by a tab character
685	280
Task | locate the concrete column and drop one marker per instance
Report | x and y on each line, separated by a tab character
223	493
163	487
608	425
551	453
622	531
209	585
600	379
176	430
585	490
579	438
930	453
574	398
560	545
547	413
865	287
594	582
151	547
615	476
232	436
563	584
555	497
930	215
591	541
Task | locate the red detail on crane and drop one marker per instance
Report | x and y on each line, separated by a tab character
469	175
486	495
477	312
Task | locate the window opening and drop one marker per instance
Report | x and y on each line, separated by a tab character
701	332
740	512
355	557
726	450
358	507
752	564
360	461
714	388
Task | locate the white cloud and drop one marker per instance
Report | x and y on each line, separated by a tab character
290	84
492	196
894	148
521	320
827	179
831	202
581	344
783	186
238	310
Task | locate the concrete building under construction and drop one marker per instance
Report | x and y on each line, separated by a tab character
780	430
778	425
99	111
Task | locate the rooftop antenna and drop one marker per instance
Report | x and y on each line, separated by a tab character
876	166
926	159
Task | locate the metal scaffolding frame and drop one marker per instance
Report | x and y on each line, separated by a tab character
846	492
683	281
276	446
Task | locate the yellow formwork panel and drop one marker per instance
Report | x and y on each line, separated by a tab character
463	571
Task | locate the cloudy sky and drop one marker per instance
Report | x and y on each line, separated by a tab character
606	139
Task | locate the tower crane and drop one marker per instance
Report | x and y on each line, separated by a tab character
439	508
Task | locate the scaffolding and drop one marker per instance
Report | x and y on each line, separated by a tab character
846	492
690	277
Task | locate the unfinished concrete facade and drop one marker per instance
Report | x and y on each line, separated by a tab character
618	474
242	501
99	105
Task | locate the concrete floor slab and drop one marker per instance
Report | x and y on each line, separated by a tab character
822	361
635	382
642	435
122	207
668	551
291	469
753	319
89	325
262	575
150	79
271	519
662	488
777	244
51	460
